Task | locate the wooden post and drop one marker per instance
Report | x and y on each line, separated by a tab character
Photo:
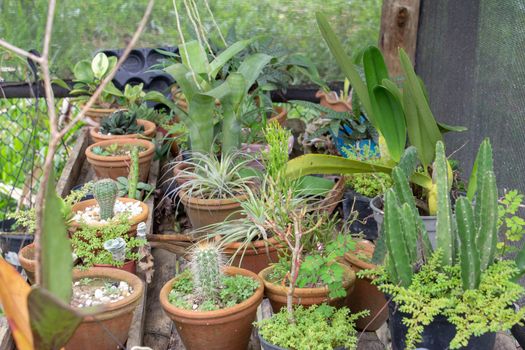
399	24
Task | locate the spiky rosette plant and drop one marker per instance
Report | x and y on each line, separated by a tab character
207	263
105	192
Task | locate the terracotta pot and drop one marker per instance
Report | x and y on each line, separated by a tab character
129	266
26	256
228	328
276	293
150	129
114	166
203	212
134	221
334	197
332	101
97	114
366	296
101	330
256	257
177	169
280	114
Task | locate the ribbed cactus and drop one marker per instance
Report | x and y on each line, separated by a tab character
105	192
469	257
206	264
133	178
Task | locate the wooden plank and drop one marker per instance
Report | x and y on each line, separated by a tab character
399	24
73	167
6	341
136	331
153	177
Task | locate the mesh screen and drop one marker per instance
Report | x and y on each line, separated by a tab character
470	53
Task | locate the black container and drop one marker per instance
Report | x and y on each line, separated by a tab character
365	222
86	197
267	346
11	242
436	336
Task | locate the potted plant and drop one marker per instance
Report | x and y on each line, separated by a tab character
111	158
213	188
339	102
213	306
459	294
122	124
106	209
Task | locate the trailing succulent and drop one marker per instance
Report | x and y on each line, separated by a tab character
121	123
461	279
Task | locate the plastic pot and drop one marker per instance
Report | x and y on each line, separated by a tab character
365	221
114	166
429	221
228	328
12	241
276	293
268	346
150	130
366	296
134	221
257	256
101	330
436	336
203	212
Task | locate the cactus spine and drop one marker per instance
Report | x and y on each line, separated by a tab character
133	177
105	192
445	230
206	265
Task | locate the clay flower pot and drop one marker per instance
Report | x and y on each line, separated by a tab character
134	221
228	328
150	130
366	296
97	114
129	266
332	101
101	330
279	115
177	170
203	212
26	256
276	293
114	166
256	257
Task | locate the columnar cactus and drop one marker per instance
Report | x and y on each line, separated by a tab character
133	177
206	265
105	192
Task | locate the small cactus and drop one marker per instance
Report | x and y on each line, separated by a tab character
105	192
206	264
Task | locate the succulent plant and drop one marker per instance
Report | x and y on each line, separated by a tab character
133	178
206	265
105	192
121	123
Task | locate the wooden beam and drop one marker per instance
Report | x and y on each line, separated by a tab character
399	24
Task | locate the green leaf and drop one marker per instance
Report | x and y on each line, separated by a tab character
252	67
194	57
447	128
100	65
314	186
55	257
392	88
111	89
226	55
60	83
83	72
183	79
53	322
375	72
345	63
200	123
390	121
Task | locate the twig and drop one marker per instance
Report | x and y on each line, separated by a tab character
19	51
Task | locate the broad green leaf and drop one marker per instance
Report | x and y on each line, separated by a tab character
392	88
111	89
422	128
446	128
56	261
83	71
13	297
156	96
374	67
183	78
345	63
194	57
60	83
100	65
112	60
53	322
231	102
226	55
200	122
252	67
390	120
314	186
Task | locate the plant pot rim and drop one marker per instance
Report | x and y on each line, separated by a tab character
299	292
126	262
375	207
150	148
102	109
272	243
149	129
187	199
21	255
116	274
90	202
352	257
216	314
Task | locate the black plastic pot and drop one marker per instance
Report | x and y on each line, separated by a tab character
267	346
11	242
365	221
436	336
86	197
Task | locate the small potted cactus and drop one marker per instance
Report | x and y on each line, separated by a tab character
107	208
122	124
213	306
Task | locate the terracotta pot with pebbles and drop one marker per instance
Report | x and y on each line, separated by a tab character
213	307
118	293
112	158
107	208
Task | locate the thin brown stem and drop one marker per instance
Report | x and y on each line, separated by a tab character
19	51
